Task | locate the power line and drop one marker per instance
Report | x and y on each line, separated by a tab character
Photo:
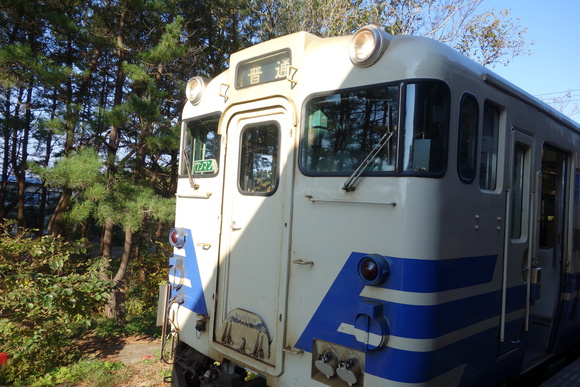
558	92
568	97
560	101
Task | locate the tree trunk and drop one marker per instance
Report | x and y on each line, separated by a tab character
116	308
107	240
55	223
85	228
22	167
126	255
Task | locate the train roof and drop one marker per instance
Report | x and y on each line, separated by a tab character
410	55
438	51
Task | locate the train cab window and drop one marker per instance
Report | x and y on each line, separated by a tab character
201	147
426	126
342	129
489	147
467	143
346	130
259	146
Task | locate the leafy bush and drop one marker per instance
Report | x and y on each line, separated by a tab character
49	290
145	272
149	269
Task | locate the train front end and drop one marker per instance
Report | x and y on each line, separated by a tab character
320	239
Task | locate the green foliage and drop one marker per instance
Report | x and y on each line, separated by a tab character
146	108
169	47
50	290
91	372
19	64
131	206
79	170
144	276
118	116
489	37
145	273
492	37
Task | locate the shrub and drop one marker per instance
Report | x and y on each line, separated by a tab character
49	290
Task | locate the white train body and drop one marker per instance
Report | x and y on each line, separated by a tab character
451	258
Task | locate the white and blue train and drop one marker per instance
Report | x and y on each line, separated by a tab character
370	210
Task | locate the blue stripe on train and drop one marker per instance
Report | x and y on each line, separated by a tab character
415	275
566	332
420	367
194	297
341	305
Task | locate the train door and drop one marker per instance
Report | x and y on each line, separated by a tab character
254	248
517	257
548	252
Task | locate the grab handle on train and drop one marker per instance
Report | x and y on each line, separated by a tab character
303	263
293	351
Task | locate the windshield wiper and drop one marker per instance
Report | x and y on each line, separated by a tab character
349	184
192	182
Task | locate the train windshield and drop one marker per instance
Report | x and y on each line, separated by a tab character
201	147
342	129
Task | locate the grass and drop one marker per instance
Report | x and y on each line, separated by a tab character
100	373
142	324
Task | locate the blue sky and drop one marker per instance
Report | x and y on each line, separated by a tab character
554	65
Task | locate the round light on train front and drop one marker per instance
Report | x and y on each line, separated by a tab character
194	90
367	46
373	269
177	237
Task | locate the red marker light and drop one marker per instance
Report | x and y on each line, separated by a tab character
369	270
373	269
174	237
177	237
3	358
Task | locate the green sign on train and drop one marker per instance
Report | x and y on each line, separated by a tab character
205	166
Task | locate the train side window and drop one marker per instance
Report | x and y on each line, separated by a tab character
489	147
517	192
259	146
426	127
553	188
467	143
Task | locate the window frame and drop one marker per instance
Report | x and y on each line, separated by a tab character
398	123
403	138
243	149
474	136
495	165
186	133
304	132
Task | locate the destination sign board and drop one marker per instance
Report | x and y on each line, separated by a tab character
268	68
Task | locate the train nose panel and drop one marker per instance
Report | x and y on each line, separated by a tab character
246	333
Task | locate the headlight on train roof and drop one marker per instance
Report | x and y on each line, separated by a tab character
177	237
373	269
195	88
367	45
